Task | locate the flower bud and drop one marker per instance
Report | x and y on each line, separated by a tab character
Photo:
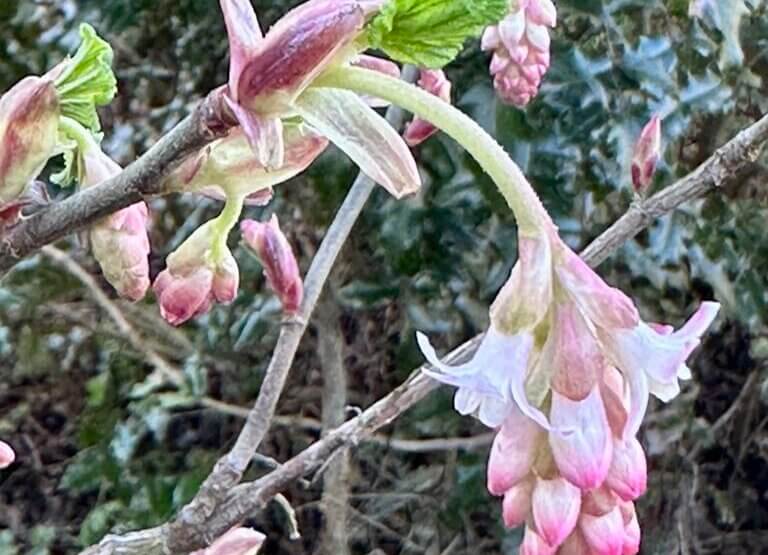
556	505
295	50
435	82
276	255
646	155
119	241
29	114
7	456
520	45
628	474
238	541
584	456
605	533
533	544
193	281
631	544
517	503
513	452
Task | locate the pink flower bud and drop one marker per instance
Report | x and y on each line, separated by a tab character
295	50
520	45
276	255
604	534
628	474
646	155
191	282
556	505
119	242
7	456
435	82
584	456
517	503
533	544
29	114
238	541
513	452
631	544
575	545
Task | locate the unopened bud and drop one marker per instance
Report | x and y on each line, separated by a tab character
273	249
435	82
29	114
192	281
7	456
646	155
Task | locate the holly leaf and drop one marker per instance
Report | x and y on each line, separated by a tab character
431	33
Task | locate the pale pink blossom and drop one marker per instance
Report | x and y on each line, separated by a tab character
237	541
7	456
198	273
628	474
119	242
556	506
646	155
435	82
520	46
271	245
603	533
271	78
533	544
517	503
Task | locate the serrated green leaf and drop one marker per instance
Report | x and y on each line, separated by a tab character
87	80
430	33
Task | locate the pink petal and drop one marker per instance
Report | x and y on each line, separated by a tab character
577	357
264	134
491	38
244	38
517	503
604	534
575	545
512	28
628	473
533	544
7	456
537	36
631	544
584	456
514	450
556	505
182	298
542	12
238	541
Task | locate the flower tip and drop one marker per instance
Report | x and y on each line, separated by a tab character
7	456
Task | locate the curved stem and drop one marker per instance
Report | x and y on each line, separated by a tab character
224	223
530	213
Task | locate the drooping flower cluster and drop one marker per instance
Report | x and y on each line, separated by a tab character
276	255
565	370
520	45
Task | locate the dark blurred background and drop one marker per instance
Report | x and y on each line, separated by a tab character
101	449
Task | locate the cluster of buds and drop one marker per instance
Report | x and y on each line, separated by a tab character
276	255
7	456
435	82
520	45
200	272
565	371
238	541
646	155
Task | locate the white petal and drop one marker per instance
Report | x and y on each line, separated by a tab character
366	137
638	402
665	392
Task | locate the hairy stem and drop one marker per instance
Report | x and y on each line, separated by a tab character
530	213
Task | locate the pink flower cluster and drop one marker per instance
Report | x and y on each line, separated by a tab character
565	372
520	45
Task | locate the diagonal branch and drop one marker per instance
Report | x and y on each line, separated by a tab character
242	500
210	120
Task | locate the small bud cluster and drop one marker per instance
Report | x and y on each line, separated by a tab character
520	45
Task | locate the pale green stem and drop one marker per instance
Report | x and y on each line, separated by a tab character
82	136
530	213
223	224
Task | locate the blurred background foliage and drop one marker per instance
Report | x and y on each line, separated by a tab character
102	446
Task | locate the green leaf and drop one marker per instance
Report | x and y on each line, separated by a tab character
430	33
87	80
